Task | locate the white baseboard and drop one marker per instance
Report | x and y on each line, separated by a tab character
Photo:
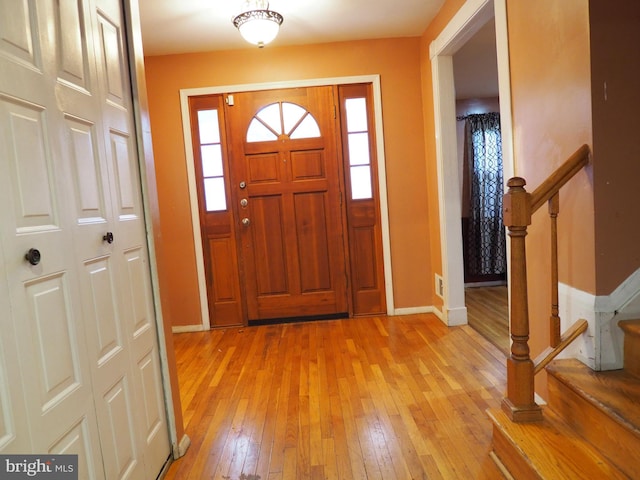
412	310
453	318
187	328
573	305
182	447
622	296
601	346
415	310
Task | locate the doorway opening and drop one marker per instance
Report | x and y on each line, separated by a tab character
481	175
476	17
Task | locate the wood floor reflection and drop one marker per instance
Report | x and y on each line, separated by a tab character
364	398
488	313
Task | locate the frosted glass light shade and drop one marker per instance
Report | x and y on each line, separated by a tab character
259	26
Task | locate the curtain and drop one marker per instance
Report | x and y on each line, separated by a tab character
484	242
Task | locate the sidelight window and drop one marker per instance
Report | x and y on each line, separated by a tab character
211	158
358	148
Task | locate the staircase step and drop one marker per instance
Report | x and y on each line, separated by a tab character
602	407
548	449
631	329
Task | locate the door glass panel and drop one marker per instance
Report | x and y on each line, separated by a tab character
291	115
360	182
358	149
308	128
208	126
267	125
259	133
211	160
270	115
358	146
356	114
214	194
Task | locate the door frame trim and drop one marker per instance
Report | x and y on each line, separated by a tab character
465	23
195	216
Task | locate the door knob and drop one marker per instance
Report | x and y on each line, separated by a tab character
246	222
244	202
33	256
108	237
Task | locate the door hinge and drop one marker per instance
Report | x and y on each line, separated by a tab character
335	111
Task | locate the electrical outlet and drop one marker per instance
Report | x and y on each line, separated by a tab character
439	286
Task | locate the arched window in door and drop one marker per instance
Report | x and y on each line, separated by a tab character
282	118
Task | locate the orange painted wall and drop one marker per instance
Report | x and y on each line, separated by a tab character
551	104
398	63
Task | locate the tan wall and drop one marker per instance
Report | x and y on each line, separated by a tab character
397	62
551	103
615	61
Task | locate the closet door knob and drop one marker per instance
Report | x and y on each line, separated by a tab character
108	237
33	256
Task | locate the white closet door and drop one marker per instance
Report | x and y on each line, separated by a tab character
78	346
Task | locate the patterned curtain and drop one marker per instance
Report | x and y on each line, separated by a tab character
485	252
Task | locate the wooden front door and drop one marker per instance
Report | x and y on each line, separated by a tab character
285	185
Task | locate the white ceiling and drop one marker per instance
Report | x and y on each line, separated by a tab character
179	26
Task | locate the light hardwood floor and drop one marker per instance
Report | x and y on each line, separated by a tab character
488	313
364	398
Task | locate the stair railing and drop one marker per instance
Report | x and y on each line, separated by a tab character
519	205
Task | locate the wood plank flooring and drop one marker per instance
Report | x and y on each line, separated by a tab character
488	313
364	398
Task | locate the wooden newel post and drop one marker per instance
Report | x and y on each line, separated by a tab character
519	403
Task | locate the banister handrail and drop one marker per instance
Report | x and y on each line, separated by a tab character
518	207
550	353
558	178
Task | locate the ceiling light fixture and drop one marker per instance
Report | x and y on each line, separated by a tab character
257	24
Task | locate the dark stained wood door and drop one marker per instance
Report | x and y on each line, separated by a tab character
217	225
362	200
285	183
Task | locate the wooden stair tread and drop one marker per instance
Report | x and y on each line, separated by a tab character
615	392
549	449
631	327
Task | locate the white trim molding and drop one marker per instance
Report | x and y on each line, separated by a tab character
182	447
413	310
382	175
418	310
601	347
472	16
188	328
573	305
622	304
